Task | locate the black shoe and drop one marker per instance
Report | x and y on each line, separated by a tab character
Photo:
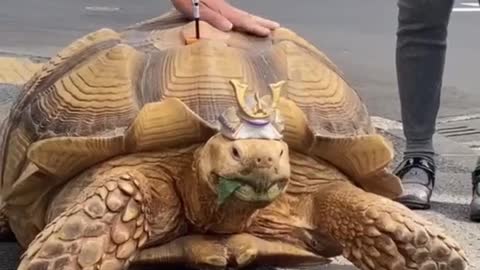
418	180
475	204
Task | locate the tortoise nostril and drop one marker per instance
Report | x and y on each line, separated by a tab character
264	162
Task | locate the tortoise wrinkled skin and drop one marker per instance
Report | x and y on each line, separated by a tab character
112	157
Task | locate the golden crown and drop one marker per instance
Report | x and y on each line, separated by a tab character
254	117
258	110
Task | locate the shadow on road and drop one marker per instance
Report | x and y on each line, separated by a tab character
334	265
450	210
10	253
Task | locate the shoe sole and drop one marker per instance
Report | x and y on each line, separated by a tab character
414	204
475	217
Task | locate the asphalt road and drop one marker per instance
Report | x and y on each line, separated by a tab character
359	36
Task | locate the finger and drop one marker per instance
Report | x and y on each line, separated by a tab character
266	22
214	18
250	25
255	29
248	22
262	21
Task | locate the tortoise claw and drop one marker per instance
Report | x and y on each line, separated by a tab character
198	251
246	256
245	248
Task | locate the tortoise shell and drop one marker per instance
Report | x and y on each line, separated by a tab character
153	86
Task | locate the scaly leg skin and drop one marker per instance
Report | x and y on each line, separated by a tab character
378	233
102	230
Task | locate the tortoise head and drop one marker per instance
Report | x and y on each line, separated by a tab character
248	160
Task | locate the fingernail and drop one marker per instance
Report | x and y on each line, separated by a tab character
226	26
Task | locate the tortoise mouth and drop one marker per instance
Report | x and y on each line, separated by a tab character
249	190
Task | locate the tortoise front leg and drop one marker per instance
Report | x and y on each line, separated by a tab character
378	233
103	229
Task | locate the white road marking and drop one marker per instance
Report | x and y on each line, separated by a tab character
390	125
384	123
471	4
102	8
469	7
443	120
466	9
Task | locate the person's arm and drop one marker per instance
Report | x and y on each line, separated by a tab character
225	17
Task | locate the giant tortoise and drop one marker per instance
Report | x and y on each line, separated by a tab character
149	146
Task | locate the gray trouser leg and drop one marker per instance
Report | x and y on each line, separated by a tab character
420	57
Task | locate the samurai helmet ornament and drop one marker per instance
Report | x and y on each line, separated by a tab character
255	117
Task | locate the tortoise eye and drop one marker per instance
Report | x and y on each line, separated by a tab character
235	153
281	153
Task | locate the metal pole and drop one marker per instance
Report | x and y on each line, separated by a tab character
196	16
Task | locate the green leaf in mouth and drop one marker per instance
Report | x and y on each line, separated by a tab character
226	187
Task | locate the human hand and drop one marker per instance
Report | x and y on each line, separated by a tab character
225	17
